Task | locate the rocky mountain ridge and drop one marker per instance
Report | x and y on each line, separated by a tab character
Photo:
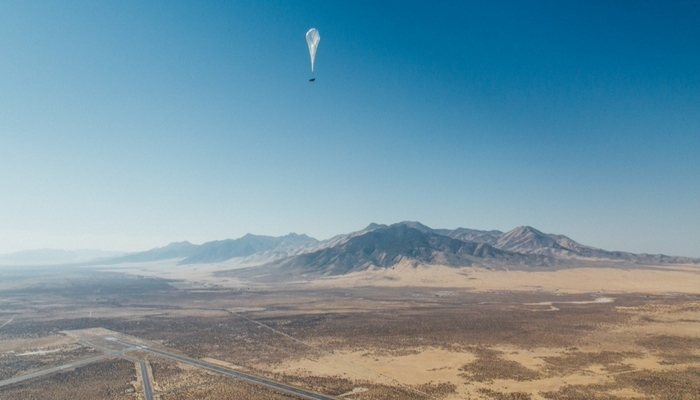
382	246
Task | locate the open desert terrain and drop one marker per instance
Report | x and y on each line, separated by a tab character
409	332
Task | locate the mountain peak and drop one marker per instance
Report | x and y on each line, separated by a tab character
415	225
525	239
525	229
372	226
171	245
294	235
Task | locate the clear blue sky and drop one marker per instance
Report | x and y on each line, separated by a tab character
127	125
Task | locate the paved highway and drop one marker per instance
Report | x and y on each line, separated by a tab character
8	321
55	369
147	388
231	373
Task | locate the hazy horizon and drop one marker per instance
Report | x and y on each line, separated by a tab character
127	126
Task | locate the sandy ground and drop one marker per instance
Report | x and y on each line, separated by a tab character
578	280
665	279
428	365
35	343
431	365
425	365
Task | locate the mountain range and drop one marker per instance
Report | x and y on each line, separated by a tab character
219	250
383	246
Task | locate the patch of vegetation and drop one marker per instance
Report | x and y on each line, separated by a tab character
103	380
490	365
230	389
439	390
505	396
673	349
581	392
577	360
659	385
664	385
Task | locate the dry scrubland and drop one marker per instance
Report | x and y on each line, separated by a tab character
102	380
370	342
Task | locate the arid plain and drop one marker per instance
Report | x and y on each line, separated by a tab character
409	332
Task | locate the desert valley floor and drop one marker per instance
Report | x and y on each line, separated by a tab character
410	332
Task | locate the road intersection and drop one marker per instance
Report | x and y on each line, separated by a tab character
128	347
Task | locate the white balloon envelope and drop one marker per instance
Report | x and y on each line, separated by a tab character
312	39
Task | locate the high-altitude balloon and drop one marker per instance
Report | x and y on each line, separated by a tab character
312	39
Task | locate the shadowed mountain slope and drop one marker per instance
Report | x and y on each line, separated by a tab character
463	234
386	246
472	235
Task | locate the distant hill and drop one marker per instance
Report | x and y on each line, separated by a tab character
217	251
528	240
248	245
53	256
173	250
